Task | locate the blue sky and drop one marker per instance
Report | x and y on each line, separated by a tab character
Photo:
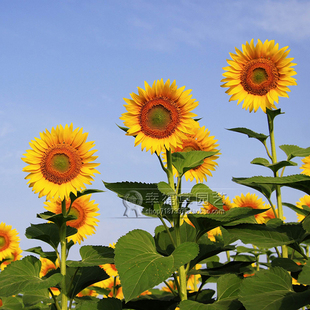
74	61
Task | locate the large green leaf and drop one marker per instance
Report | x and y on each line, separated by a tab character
271	290
23	276
184	161
294	151
201	192
297	181
93	256
265	236
140	266
286	263
11	303
206	222
304	276
163	241
143	194
219	305
251	134
36	297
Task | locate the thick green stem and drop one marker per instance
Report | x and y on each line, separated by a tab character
176	220
63	255
278	189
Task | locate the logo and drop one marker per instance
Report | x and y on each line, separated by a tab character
132	201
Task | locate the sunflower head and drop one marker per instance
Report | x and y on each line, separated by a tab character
60	162
85	212
250	201
15	255
159	116
259	74
9	241
303	201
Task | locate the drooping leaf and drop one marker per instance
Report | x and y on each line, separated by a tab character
271	290
297	181
292	151
38	250
47	232
79	278
251	134
93	256
206	222
265	189
201	192
23	276
142	194
84	192
58	219
140	266
296	209
184	161
274	167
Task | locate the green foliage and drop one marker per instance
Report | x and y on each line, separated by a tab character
272	289
23	276
141	267
251	134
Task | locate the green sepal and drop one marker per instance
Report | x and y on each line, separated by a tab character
251	134
93	256
184	161
24	276
274	167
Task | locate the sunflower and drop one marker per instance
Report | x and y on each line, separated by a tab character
110	269
303	201
198	140
159	116
250	201
85	211
306	166
60	162
15	255
259	75
9	241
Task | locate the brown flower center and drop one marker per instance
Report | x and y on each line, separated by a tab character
190	146
77	211
259	76
159	118
61	164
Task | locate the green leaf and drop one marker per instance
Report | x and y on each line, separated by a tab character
271	290
47	232
271	114
202	192
265	189
166	189
304	276
162	239
83	193
274	167
184	161
228	287
35	297
23	276
219	305
99	304
38	250
206	222
264	236
143	194
79	278
94	256
251	134
286	264
292	151
297	181
140	267
12	303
